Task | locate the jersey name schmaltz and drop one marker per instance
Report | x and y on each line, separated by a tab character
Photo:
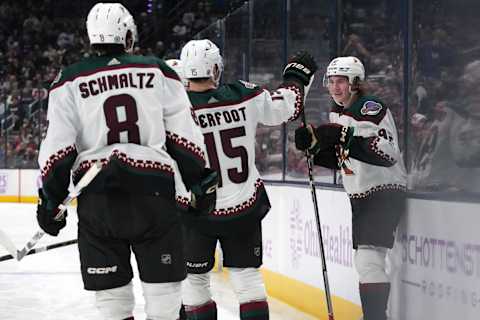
228	118
130	109
381	167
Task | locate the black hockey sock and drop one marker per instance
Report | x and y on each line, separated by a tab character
374	297
207	311
255	310
129	318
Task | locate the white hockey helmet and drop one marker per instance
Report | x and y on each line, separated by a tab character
176	65
109	23
200	58
350	67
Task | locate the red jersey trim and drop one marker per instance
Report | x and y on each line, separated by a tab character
370	191
238	209
134	163
54	158
185	144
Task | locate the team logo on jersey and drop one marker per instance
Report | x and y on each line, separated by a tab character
371	108
248	85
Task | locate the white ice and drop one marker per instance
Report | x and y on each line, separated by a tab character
48	285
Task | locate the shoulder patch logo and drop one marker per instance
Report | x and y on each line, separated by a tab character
371	108
248	85
113	62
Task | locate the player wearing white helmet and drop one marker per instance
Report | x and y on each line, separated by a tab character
132	114
228	116
361	140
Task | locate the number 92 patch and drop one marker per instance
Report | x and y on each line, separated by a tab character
371	108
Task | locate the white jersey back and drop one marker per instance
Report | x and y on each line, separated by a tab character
130	107
228	118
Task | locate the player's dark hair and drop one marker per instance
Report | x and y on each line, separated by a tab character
199	80
361	87
108	48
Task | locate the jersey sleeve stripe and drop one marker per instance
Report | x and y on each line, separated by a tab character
299	100
171	75
54	158
188	146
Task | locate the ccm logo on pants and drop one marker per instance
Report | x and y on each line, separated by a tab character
103	270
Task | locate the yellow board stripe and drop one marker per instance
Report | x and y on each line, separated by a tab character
26	199
10	199
307	298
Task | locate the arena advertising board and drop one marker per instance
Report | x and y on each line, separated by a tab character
437	253
291	245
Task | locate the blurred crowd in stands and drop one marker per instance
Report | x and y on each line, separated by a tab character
37	38
438	134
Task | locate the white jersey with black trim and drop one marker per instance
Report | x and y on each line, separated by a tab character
131	107
382	167
228	117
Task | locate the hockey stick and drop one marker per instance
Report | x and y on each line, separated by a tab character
41	249
319	226
8	244
85	181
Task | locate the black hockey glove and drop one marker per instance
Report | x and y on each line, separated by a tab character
331	134
325	136
46	211
305	138
300	68
204	194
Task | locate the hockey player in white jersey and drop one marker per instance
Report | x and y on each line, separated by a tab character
228	116
361	140
132	114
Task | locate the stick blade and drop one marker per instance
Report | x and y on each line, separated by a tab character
7	243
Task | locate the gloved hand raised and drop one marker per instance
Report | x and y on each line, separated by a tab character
204	194
46	211
300	68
